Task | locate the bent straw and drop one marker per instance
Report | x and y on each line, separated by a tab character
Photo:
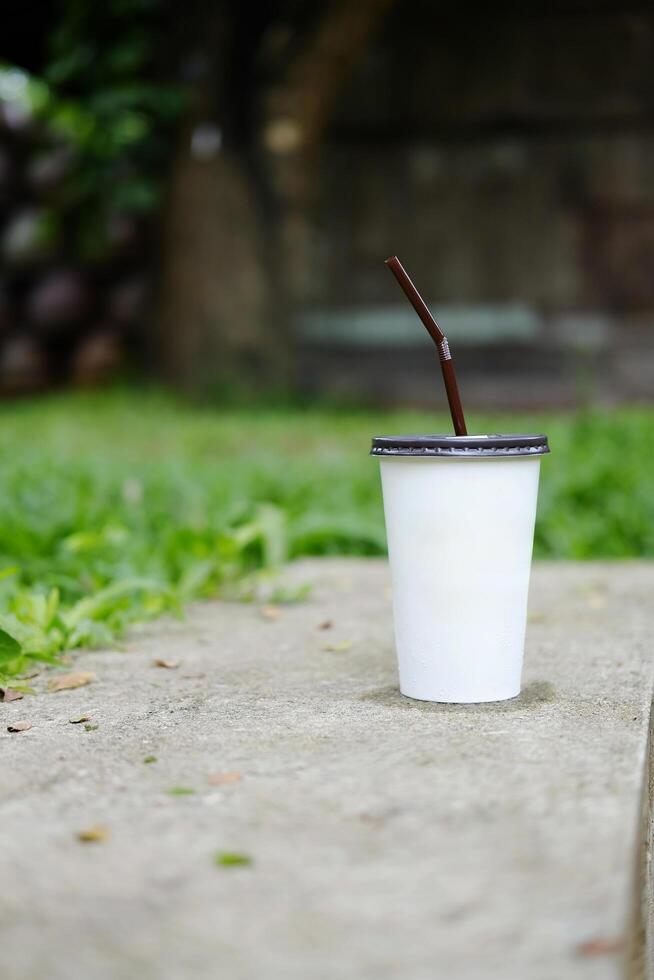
439	338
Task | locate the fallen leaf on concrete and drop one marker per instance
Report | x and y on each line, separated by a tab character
7	694
271	612
223	778
228	859
66	682
372	818
93	835
78	719
193	677
325	625
168	664
91	728
19	726
601	946
338	647
180	791
150	758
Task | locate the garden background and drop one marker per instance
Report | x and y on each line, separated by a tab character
198	336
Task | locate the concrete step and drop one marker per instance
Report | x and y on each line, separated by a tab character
388	838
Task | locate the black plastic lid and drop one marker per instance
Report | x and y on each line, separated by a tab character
492	445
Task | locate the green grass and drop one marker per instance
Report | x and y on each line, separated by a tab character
121	506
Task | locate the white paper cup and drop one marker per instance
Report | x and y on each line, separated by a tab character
460	514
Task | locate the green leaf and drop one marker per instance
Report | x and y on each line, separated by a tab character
195	578
290	594
231	859
73	62
272	523
53	659
10	648
102	603
52	606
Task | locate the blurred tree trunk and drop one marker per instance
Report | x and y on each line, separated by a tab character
235	238
214	296
297	109
214	286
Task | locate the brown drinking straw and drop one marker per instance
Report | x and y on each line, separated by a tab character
439	338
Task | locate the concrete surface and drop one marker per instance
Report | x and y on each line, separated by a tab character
388	838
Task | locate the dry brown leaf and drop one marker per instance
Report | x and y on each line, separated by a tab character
168	664
373	818
271	612
8	695
601	946
338	647
325	625
93	835
19	726
223	778
78	719
66	682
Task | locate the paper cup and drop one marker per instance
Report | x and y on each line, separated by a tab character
460	514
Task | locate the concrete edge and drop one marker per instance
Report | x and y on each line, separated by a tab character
639	946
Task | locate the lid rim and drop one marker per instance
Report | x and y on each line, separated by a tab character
450	445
